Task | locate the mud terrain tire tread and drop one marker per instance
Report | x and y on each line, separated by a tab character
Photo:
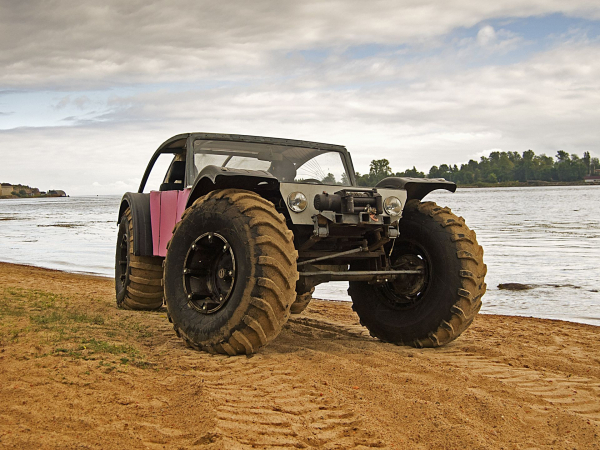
268	293
471	273
143	290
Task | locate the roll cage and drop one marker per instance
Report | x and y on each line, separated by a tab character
184	144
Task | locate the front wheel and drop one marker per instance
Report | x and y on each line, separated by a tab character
433	307
230	273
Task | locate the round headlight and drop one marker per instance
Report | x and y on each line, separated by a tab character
297	202
392	206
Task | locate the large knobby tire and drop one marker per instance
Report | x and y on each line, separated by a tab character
230	273
434	308
138	279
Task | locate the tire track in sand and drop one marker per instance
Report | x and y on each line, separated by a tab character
329	329
259	402
576	394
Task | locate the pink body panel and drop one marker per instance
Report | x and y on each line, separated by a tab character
181	201
168	219
166	209
155	219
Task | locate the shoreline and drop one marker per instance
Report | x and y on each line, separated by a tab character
508	184
12	197
115	378
111	278
519	184
53	269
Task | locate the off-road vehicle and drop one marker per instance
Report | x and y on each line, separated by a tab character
242	229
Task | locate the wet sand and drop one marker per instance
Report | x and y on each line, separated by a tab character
76	372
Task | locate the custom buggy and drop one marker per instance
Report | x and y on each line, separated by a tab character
242	229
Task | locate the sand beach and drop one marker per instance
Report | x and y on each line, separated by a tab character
76	372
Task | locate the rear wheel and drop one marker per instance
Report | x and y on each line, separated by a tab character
230	273
138	279
434	307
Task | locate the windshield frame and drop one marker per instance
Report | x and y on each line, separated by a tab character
276	142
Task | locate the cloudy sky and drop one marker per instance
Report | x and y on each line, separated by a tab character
88	90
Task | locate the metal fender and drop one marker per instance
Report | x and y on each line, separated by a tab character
142	225
215	177
417	188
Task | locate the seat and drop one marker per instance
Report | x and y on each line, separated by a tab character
175	176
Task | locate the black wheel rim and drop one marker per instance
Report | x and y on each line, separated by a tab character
407	290
123	256
209	273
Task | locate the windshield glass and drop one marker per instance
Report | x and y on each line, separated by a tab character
286	163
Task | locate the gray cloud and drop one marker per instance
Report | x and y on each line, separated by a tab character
91	44
80	102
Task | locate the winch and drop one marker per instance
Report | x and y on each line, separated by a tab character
350	201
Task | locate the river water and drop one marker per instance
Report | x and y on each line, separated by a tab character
548	237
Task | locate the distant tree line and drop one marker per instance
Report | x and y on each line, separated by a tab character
498	167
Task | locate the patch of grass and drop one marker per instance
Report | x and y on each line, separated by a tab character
96	346
47	319
9	307
66	316
35	297
65	326
86	318
135	328
92	349
46	310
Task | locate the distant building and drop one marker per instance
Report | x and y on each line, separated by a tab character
592	179
23	190
7	189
